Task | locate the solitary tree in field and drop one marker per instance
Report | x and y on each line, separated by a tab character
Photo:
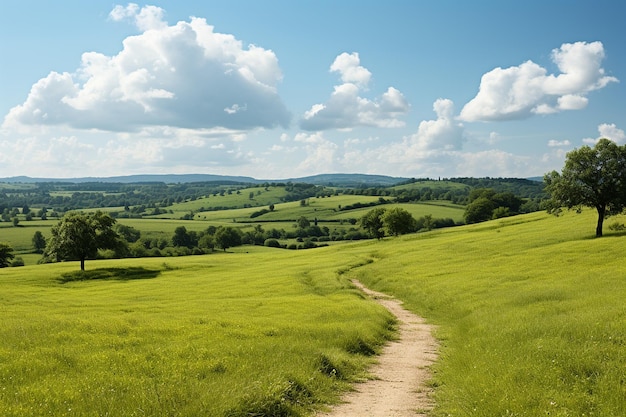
592	177
372	222
6	255
78	236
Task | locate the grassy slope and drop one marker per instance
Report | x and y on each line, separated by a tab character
226	334
530	312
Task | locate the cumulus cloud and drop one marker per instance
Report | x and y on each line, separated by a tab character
346	109
443	133
320	153
145	18
608	131
185	75
429	148
349	66
521	91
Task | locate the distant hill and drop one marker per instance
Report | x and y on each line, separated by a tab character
350	180
129	179
343	180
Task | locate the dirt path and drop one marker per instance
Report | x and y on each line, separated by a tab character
399	388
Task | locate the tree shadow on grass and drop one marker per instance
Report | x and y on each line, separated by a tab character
118	274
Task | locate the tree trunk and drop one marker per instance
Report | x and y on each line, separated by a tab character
601	214
82	264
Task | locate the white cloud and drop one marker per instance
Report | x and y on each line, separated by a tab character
146	18
429	149
346	109
320	154
608	131
557	143
348	65
444	133
185	75
519	92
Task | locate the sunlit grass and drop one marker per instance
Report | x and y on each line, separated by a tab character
530	312
227	334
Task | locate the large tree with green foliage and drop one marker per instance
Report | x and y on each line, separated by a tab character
592	177
398	221
6	255
78	236
372	222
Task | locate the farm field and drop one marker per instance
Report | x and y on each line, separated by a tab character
326	210
529	313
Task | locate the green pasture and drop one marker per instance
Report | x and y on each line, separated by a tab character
237	199
328	209
234	334
530	313
432	184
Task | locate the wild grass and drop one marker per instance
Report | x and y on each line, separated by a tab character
530	312
235	334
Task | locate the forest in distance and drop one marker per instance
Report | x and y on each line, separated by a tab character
229	213
62	195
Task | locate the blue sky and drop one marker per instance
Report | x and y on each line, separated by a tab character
281	89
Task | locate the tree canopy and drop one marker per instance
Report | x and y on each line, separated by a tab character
372	222
78	236
39	242
6	255
227	237
398	221
592	177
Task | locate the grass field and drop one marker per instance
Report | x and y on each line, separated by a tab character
529	311
220	335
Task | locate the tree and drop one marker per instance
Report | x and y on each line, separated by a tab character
398	221
592	177
6	255
303	222
181	237
39	242
128	233
78	236
372	222
227	237
479	210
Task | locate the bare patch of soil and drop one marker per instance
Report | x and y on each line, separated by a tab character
399	386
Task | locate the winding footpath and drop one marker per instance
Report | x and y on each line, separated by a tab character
398	387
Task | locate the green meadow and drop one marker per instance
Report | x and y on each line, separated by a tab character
529	309
233	334
529	312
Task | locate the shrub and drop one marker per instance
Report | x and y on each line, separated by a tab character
272	243
17	261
